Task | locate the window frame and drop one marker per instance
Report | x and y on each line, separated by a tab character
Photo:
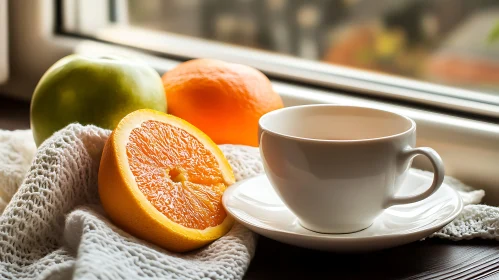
312	73
292	69
468	143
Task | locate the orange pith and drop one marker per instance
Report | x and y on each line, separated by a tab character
177	174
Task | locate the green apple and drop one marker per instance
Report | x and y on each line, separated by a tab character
97	90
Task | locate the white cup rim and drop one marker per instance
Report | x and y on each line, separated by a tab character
314	140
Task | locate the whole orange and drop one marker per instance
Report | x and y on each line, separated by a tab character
224	100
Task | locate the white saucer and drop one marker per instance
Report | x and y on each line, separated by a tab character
254	203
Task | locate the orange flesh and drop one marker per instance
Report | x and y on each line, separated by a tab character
177	174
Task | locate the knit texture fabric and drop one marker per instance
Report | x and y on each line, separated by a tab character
53	226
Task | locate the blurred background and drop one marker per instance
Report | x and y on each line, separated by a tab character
440	41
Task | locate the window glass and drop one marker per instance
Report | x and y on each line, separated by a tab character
445	42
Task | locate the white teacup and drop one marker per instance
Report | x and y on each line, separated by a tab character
338	167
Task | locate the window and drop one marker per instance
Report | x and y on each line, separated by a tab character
434	52
460	121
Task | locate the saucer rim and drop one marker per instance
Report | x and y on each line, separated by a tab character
343	237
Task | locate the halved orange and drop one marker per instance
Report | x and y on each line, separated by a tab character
162	179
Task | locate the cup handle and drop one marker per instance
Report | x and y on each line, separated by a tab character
438	176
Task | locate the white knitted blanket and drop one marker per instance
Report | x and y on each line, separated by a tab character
53	227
